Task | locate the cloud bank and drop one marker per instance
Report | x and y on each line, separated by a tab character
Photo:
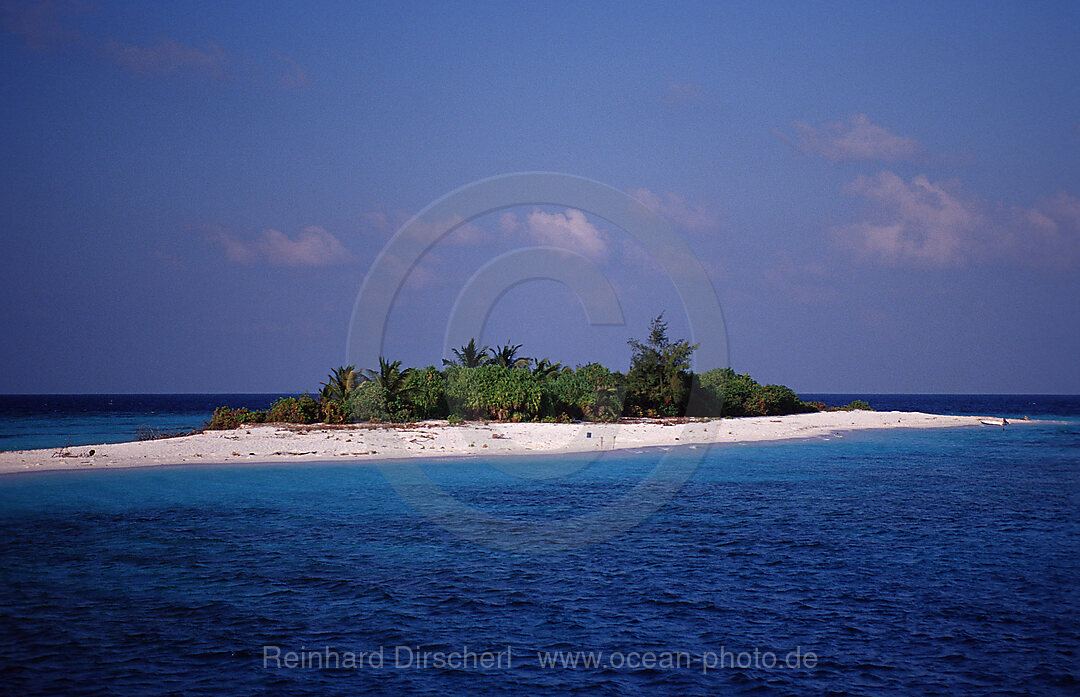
858	138
313	246
695	216
569	229
940	225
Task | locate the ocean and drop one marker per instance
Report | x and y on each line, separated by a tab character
55	421
935	562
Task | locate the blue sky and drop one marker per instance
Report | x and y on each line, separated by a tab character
886	196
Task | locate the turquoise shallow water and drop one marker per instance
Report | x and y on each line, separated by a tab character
930	562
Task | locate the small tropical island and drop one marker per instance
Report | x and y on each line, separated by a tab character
482	383
495	402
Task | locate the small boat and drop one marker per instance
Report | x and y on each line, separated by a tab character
994	422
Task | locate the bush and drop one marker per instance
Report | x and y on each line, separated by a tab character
224	418
333	411
367	403
425	394
295	410
659	384
493	392
773	400
252	417
722	392
857	404
592	393
707	393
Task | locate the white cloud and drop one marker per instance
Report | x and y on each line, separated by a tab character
508	222
858	138
939	224
570	230
1047	234
920	222
464	234
694	216
313	246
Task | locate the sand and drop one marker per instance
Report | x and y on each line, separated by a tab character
283	443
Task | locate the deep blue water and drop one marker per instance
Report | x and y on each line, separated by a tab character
939	562
55	421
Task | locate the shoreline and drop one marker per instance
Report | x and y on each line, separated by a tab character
268	444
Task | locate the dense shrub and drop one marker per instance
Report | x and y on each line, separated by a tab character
591	392
224	418
774	400
424	394
295	410
333	411
507	393
722	392
493	392
857	404
253	417
485	384
367	403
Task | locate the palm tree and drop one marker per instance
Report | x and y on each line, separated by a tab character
341	382
468	356
506	357
545	367
392	380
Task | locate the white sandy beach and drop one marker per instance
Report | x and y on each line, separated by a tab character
280	443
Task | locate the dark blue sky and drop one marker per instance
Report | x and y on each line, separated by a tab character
886	196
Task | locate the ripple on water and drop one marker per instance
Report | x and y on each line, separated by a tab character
915	565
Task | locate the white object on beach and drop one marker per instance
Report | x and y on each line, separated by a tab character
994	422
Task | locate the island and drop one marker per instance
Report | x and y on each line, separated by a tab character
493	402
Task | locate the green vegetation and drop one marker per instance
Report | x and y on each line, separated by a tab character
493	392
498	384
590	393
367	403
391	380
468	356
294	410
342	381
658	383
724	392
425	394
856	405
